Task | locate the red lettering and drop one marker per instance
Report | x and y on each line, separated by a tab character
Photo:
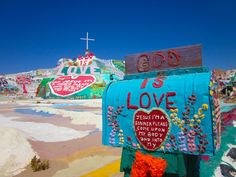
173	55
150	61
168	103
143	64
162	59
141	100
144	83
142	104
157	83
156	101
129	106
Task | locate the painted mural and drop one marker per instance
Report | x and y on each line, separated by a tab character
169	112
159	115
82	78
23	85
6	88
175	113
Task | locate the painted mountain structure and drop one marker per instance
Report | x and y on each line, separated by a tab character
82	78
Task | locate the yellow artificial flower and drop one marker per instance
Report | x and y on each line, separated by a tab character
162	148
199	111
211	84
205	106
172	116
202	116
211	92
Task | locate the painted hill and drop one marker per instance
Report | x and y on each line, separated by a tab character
22	85
82	78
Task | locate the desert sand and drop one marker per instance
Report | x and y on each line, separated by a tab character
65	132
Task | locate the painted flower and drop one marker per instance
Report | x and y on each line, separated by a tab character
211	92
199	111
133	144
192	132
172	116
129	138
198	121
110	108
162	148
205	106
202	116
168	145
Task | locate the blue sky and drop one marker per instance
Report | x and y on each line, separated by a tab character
35	34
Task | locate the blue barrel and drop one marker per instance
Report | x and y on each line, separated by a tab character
172	114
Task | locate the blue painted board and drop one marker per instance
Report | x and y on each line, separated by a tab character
170	114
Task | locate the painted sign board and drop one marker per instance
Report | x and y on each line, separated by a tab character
69	85
190	56
171	114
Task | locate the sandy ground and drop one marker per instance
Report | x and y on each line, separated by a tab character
65	132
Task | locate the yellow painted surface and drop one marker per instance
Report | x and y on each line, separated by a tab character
106	171
101	150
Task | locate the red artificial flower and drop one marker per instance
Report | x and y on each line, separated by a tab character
148	166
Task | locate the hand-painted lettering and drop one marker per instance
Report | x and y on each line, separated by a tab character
141	100
168	103
129	106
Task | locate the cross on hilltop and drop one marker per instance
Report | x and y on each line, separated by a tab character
87	39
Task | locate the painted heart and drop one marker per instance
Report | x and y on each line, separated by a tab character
69	85
151	128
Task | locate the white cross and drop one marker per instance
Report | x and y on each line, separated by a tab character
87	39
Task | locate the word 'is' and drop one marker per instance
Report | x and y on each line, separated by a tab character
158	83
